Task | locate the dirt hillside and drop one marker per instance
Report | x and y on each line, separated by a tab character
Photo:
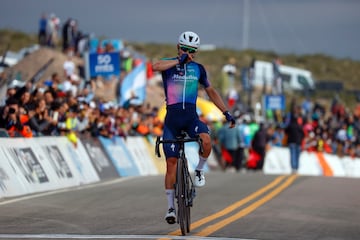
32	63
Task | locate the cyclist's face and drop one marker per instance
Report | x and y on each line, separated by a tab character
183	49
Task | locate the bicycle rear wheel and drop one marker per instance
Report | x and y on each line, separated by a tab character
183	209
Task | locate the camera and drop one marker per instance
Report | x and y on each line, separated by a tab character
12	110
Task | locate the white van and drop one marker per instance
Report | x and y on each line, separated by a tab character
292	78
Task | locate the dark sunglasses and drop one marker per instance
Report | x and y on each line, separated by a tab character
188	49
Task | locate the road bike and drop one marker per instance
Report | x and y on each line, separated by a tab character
184	186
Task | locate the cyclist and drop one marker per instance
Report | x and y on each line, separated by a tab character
181	76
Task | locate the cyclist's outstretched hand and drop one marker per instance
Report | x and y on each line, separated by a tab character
229	118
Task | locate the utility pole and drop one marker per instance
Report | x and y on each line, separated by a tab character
246	23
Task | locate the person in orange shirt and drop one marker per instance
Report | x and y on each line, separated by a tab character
14	120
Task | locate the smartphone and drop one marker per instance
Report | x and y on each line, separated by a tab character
55	116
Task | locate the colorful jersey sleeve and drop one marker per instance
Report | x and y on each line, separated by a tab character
181	82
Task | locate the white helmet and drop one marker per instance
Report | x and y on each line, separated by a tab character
190	39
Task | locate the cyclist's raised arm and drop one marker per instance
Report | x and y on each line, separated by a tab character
164	64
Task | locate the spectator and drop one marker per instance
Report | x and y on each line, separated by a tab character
42	35
12	120
277	80
230	140
71	123
39	120
26	102
69	32
53	82
53	26
230	72
295	136
278	137
259	144
69	65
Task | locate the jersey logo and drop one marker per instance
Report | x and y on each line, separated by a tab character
173	147
196	128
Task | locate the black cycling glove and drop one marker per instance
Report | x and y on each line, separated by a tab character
229	117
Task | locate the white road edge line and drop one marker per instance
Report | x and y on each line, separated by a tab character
79	236
69	189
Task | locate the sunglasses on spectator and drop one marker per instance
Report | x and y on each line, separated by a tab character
188	49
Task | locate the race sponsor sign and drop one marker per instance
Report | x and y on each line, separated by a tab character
41	164
104	64
274	102
101	162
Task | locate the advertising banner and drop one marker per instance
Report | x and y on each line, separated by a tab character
277	161
10	180
120	156
141	156
101	162
30	165
274	102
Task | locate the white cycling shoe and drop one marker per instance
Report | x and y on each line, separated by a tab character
199	179
170	216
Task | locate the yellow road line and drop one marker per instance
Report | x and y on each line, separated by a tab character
213	228
232	207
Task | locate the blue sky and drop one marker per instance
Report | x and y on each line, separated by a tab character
330	27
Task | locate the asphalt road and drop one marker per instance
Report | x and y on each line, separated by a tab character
230	206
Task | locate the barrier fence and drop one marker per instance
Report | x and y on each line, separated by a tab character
277	161
31	165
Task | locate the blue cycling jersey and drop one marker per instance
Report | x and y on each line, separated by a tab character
181	90
181	83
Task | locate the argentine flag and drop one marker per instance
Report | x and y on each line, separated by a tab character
134	84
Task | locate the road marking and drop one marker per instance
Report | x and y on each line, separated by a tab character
213	228
232	207
80	236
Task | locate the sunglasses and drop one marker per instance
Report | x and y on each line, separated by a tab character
188	49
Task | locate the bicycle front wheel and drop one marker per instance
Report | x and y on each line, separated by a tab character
183	208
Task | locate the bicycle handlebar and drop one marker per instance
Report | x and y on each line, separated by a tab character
180	139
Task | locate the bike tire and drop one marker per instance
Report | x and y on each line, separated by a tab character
181	195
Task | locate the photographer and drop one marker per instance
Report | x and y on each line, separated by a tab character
12	121
39	119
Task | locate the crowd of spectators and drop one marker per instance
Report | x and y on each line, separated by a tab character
332	130
335	130
50	111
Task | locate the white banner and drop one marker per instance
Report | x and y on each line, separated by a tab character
141	156
277	161
30	165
